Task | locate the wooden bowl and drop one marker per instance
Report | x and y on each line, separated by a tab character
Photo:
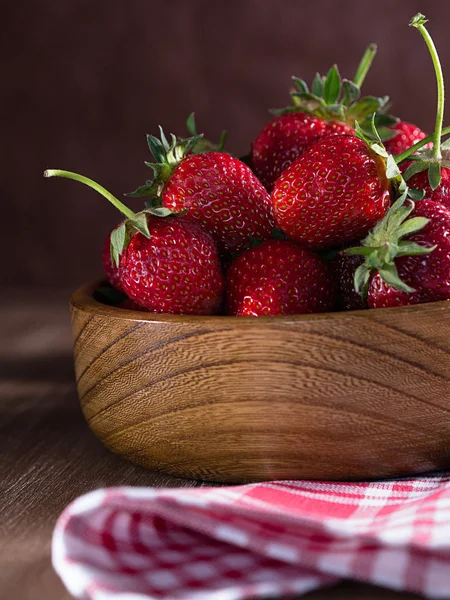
349	395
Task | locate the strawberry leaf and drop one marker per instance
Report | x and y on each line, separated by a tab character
164	141
416	167
332	86
392	170
118	241
366	107
389	275
159	211
190	124
309	101
300	85
434	175
383	120
416	194
412	226
417	20
143	190
156	148
337	110
351	92
412	249
154	202
317	85
139	223
361	280
222	141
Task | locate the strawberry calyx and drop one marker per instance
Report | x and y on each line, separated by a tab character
169	155
133	223
429	159
335	99
385	243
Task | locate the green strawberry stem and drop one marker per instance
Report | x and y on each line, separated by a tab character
419	23
364	65
418	145
95	186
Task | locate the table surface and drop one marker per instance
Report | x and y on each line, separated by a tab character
48	456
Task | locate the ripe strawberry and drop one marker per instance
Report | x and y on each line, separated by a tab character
427	274
279	278
111	271
216	189
407	261
176	271
223	194
284	139
332	194
332	106
167	263
407	135
344	268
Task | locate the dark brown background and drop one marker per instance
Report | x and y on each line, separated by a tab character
84	80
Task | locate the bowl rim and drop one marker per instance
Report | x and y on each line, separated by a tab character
82	299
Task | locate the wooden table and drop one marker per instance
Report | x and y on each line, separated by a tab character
48	456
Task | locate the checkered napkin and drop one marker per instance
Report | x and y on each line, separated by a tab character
255	541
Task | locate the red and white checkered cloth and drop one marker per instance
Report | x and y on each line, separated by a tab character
255	541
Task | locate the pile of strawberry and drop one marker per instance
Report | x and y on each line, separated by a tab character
338	206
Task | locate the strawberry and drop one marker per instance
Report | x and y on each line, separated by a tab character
223	194
284	139
332	106
166	263
214	188
176	270
412	256
407	135
333	194
279	278
344	268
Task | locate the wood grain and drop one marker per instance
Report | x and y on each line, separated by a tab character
336	396
48	456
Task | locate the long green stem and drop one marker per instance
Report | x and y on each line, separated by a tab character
95	186
364	65
419	23
417	146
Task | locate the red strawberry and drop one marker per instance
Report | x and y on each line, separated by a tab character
223	194
441	194
407	260
333	194
176	271
428	274
284	139
331	106
344	268
408	134
216	189
111	271
279	278
167	263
